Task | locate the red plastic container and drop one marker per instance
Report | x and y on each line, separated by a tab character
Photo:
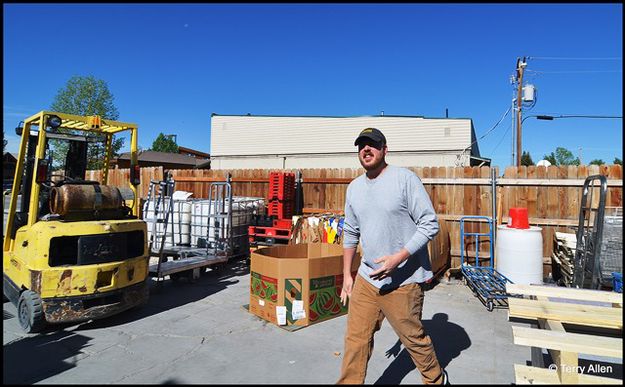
282	210
281	186
518	218
283	223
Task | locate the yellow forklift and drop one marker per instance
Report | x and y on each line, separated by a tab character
73	249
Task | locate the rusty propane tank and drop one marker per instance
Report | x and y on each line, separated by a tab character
71	198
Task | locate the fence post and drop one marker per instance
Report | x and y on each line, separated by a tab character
493	188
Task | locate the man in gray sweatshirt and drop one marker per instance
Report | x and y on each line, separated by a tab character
388	210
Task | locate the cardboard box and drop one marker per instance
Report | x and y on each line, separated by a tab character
301	283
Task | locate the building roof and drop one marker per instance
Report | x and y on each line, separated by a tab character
182	149
11	154
361	116
164	157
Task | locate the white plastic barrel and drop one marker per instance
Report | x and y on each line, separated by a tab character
519	254
203	221
179	224
207	228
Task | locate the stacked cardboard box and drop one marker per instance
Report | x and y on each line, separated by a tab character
298	284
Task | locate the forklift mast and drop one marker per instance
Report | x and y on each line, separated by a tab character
34	179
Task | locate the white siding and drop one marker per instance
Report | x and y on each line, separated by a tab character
266	135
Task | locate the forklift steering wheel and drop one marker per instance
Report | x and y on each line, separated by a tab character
52	183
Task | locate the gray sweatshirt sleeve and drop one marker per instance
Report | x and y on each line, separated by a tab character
351	229
422	212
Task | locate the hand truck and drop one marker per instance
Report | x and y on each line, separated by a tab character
487	284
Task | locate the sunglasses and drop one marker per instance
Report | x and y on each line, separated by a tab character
372	144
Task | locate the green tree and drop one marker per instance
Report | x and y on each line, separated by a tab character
618	161
551	158
597	162
562	156
87	96
164	144
526	159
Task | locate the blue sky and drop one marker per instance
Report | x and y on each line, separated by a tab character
170	66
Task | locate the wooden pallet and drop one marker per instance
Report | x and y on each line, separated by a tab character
562	257
555	310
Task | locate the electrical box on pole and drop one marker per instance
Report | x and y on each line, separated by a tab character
529	93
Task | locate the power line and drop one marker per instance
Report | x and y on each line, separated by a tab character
575	71
504	136
564	58
484	135
493	128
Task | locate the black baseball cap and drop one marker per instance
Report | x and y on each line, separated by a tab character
373	134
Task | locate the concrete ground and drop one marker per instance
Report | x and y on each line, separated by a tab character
200	333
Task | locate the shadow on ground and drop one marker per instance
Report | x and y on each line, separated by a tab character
449	341
35	358
166	294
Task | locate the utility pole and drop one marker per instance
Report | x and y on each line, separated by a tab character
513	123
520	67
580	155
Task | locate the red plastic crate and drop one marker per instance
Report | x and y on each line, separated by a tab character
283	223
282	210
281	185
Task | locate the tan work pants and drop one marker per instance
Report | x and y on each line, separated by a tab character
402	307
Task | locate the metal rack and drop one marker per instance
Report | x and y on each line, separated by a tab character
488	285
216	232
587	262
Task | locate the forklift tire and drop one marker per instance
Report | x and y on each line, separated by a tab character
30	312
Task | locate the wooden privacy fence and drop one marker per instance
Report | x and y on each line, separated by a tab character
551	194
120	177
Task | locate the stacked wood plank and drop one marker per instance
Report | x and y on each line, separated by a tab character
562	263
598	314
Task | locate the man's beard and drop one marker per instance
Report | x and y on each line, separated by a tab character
371	167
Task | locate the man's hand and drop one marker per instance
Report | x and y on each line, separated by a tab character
348	283
389	263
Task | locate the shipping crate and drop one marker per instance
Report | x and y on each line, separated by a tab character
298	285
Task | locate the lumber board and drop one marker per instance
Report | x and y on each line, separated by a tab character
565	265
569	342
556	355
568	238
596	316
534	375
568	293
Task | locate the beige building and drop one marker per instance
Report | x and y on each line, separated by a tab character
247	141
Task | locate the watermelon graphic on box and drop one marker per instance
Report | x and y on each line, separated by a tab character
306	279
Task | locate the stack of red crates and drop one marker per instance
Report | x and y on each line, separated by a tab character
281	194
